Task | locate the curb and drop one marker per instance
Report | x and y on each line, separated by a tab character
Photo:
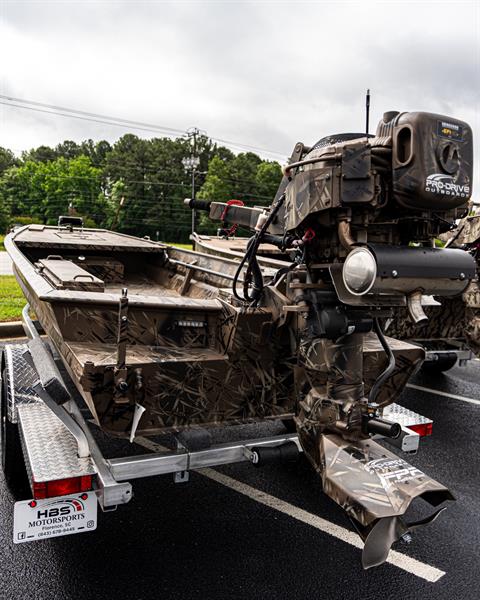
11	329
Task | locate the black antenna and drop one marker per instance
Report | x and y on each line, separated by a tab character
367	111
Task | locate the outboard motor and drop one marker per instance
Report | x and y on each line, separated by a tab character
363	213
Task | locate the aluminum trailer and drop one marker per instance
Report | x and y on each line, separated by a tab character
443	354
67	471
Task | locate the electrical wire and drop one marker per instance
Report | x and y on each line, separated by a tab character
74	116
90	114
115	121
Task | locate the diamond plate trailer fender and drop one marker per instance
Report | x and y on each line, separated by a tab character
50	450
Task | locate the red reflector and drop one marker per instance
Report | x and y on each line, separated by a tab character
62	487
422	429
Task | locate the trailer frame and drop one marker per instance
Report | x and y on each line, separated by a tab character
57	441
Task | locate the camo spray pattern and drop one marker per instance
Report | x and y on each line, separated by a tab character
467	232
369	481
471	298
470	236
198	367
308	193
467	235
457	318
444	321
317	356
472	329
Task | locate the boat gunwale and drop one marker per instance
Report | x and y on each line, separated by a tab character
107	299
265	262
145	240
46	292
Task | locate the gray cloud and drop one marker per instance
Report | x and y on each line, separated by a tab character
264	73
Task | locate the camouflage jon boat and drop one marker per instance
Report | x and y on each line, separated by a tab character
160	339
137	322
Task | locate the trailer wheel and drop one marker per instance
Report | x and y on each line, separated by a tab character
443	363
13	465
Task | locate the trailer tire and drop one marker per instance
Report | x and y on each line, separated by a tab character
11	453
443	363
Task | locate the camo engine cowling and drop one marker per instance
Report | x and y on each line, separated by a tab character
408	182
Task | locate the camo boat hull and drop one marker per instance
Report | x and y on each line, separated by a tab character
186	354
177	344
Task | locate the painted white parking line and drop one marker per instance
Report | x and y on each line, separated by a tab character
402	561
439	393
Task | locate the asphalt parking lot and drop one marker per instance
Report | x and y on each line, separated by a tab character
240	532
5	264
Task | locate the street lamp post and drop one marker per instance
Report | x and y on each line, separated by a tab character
190	163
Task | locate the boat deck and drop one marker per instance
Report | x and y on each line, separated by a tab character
137	354
139	286
41	236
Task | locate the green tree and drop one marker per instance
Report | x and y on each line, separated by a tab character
135	185
4	217
155	184
244	177
218	186
115	203
81	182
96	151
7	160
40	154
21	190
267	179
46	190
242	172
68	149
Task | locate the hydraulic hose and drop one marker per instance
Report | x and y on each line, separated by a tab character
390	367
253	271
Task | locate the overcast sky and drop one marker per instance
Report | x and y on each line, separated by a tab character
260	73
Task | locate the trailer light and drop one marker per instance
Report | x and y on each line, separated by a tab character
359	271
422	429
62	487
